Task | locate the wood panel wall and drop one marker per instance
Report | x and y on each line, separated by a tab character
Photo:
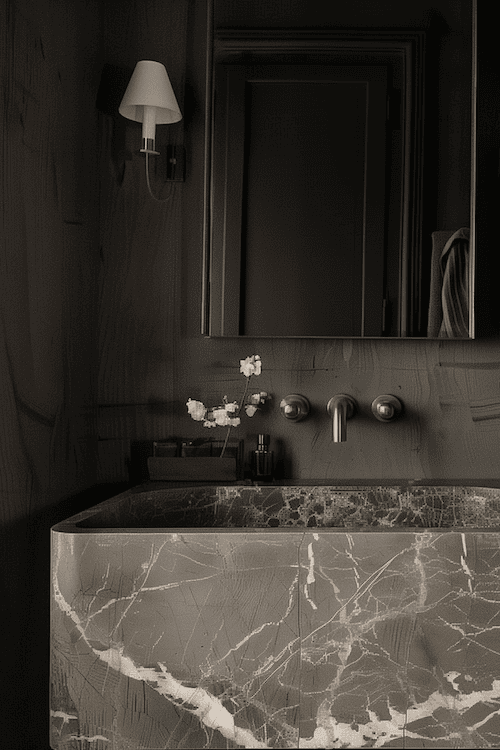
140	244
49	250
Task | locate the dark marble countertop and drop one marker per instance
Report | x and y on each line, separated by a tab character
361	506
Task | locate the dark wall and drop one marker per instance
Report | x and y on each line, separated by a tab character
49	249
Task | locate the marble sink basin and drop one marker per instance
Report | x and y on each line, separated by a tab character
278	617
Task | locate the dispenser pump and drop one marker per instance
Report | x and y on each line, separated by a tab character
263	443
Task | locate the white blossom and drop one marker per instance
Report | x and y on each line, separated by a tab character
251	366
196	409
224	415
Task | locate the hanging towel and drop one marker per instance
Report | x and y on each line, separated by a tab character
449	290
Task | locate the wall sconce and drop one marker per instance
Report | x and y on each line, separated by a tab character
150	99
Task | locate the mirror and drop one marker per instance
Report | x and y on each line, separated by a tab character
340	175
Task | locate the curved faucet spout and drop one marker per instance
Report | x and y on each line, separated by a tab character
340	408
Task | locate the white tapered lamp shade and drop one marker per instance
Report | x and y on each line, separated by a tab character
150	99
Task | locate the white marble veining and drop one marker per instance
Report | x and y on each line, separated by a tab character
273	637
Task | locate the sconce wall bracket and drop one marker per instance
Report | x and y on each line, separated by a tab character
175	164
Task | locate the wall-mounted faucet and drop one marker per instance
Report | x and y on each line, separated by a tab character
341	408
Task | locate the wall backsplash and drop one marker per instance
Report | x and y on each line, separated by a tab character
450	426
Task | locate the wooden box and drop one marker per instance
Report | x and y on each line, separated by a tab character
193	468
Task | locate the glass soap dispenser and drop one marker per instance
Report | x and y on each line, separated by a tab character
263	461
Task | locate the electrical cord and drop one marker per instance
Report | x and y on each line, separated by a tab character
159	200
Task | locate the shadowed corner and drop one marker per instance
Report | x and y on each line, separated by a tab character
112	86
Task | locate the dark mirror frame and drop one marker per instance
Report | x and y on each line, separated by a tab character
221	255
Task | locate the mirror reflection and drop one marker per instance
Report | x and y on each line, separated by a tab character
341	164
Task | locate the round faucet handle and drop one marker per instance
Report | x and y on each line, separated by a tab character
386	411
295	407
386	408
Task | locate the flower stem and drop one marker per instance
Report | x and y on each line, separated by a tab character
239	412
244	394
225	442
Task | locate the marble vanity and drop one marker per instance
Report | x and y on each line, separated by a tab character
278	617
